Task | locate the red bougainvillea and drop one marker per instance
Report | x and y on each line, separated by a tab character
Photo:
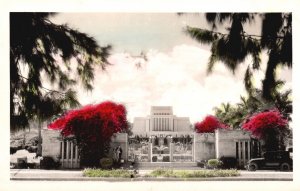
260	123
92	121
92	126
209	125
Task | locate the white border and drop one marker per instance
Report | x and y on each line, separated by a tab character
139	6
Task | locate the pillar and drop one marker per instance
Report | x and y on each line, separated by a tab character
76	156
72	145
62	152
249	157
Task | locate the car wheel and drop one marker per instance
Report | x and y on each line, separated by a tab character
285	167
252	167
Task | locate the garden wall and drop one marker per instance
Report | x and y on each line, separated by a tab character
51	143
204	146
226	141
120	139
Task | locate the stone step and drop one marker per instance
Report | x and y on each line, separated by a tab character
186	165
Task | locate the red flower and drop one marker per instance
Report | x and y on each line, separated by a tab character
209	125
101	120
258	123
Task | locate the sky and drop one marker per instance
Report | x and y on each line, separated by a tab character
175	71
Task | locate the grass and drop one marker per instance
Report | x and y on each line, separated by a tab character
118	173
121	173
193	174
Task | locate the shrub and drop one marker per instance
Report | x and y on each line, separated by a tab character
214	163
92	126
107	173
106	163
270	126
162	173
201	163
193	174
228	162
49	163
209	124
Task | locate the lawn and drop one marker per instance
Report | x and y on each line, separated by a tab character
121	173
118	173
193	174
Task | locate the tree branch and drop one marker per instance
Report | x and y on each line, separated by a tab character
253	36
49	90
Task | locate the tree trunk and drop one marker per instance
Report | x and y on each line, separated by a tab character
39	145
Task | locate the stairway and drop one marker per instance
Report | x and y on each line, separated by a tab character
171	165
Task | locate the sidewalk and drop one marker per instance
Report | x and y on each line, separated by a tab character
77	175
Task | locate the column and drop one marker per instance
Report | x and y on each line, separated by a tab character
194	146
193	158
76	156
244	151
151	124
167	121
126	147
249	157
159	124
171	151
67	153
150	152
239	149
72	145
173	124
62	152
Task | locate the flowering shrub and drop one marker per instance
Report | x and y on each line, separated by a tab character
93	126
209	125
263	121
103	120
269	126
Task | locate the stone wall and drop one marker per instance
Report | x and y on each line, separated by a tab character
51	143
204	146
120	139
226	141
52	138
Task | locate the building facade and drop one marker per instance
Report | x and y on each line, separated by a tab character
162	137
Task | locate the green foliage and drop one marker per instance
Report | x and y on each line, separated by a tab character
49	163
214	163
203	36
41	51
193	174
234	115
106	163
162	173
118	173
233	48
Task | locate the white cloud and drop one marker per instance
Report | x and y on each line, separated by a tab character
177	78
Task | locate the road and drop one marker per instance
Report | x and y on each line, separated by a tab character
76	175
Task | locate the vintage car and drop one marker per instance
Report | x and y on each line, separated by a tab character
278	160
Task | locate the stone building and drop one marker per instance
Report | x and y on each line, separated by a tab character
162	138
